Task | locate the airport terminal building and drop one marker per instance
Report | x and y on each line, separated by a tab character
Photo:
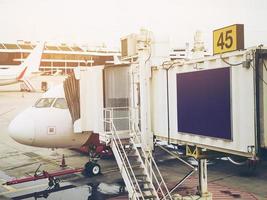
56	58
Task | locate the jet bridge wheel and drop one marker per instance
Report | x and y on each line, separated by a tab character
92	169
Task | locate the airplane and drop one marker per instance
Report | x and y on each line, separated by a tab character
15	74
48	124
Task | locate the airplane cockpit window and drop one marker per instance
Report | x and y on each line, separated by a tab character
61	103
44	102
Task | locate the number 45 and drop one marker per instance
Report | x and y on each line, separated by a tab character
225	42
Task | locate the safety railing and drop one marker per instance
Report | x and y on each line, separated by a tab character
147	155
133	124
152	165
131	178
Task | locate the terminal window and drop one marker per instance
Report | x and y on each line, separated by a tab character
204	103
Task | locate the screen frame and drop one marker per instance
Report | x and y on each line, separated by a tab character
230	107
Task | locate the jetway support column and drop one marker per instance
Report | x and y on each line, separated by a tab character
203	180
144	57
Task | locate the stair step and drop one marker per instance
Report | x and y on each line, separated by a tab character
133	155
123	139
129	150
140	175
141	185
130	157
133	158
147	189
139	170
124	142
149	196
135	163
143	181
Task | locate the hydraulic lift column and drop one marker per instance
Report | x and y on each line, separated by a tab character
144	55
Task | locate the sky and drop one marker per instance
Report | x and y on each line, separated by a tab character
106	21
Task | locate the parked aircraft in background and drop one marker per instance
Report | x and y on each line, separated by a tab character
21	73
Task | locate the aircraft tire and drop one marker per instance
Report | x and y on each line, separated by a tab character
95	169
92	169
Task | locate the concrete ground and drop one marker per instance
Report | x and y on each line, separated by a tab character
18	161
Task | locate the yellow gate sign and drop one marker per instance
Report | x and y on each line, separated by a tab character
228	38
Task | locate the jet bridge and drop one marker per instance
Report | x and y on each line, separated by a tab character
116	102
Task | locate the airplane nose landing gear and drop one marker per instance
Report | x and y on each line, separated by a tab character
91	168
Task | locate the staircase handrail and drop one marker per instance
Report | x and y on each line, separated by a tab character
136	133
123	158
135	137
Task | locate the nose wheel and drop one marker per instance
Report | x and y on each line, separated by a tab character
91	168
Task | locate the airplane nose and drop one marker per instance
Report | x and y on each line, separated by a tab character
22	130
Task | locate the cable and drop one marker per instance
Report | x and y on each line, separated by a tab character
259	76
236	64
149	53
148	36
230	64
264	65
236	162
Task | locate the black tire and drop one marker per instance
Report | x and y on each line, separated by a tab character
92	169
87	168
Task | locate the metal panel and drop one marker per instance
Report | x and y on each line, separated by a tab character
124	47
91	99
117	87
242	104
263	102
128	45
159	102
203	103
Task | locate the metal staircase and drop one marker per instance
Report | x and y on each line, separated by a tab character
137	167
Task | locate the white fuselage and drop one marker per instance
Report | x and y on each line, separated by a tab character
46	127
47	124
9	75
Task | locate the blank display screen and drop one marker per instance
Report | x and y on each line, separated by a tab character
204	103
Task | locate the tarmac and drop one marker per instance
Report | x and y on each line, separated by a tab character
225	180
